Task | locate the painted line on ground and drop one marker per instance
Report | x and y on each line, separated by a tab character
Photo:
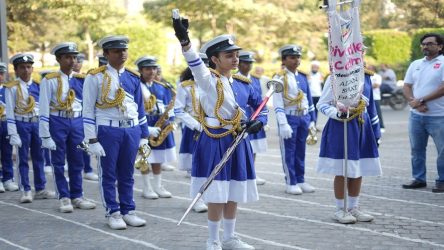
13	244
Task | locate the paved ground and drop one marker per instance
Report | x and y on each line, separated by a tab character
405	219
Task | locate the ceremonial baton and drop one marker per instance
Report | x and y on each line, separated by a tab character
274	86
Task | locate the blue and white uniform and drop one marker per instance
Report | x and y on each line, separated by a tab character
27	127
236	182
259	140
6	172
118	129
363	157
65	128
188	115
299	118
165	152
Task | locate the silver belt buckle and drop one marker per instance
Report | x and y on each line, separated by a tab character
125	123
33	119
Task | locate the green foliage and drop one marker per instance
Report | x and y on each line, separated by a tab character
388	46
417	34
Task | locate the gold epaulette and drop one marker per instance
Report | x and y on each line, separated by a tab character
369	72
11	84
100	69
279	74
241	78
78	75
36	81
133	72
187	83
255	76
214	72
52	75
89	71
166	85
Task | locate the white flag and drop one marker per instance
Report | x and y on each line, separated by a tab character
345	55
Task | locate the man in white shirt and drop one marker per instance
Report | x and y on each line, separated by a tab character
424	88
315	79
376	85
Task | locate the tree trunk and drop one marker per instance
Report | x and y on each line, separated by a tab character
42	52
90	45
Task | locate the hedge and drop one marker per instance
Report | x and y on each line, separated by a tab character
388	46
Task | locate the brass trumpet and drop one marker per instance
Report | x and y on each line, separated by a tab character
142	163
312	139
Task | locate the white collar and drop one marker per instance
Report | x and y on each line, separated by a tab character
113	70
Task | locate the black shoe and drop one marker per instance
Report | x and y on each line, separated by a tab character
439	188
414	184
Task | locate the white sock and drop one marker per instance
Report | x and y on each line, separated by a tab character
213	230
157	179
229	225
352	202
339	204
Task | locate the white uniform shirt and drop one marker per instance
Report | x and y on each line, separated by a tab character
183	107
11	97
48	98
281	104
426	77
92	93
206	83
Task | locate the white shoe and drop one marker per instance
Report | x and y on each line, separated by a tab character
83	203
116	222
44	194
306	188
200	206
188	174
167	167
235	243
158	188
2	188
213	245
26	197
65	205
361	216
260	181
47	169
147	191
10	186
91	176
293	189
133	220
162	192
344	218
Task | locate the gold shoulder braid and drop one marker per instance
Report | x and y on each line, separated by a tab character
194	104
106	87
2	110
165	130
21	108
241	78
298	99
235	122
62	105
150	103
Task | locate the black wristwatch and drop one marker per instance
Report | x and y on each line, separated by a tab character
94	140
422	101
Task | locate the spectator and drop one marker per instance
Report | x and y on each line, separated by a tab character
388	79
376	85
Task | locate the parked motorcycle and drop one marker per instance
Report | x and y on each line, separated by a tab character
395	99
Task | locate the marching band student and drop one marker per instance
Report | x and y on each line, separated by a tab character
115	127
295	115
223	101
363	133
259	140
158	102
186	109
6	172
22	111
61	127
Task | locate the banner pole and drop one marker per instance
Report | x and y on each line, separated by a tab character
345	166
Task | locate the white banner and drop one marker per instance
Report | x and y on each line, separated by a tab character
345	54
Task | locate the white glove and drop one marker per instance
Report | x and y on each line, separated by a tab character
142	142
96	149
15	140
154	131
48	143
285	131
196	126
311	125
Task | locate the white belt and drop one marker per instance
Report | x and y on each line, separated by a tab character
214	122
296	112
27	119
67	114
128	123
